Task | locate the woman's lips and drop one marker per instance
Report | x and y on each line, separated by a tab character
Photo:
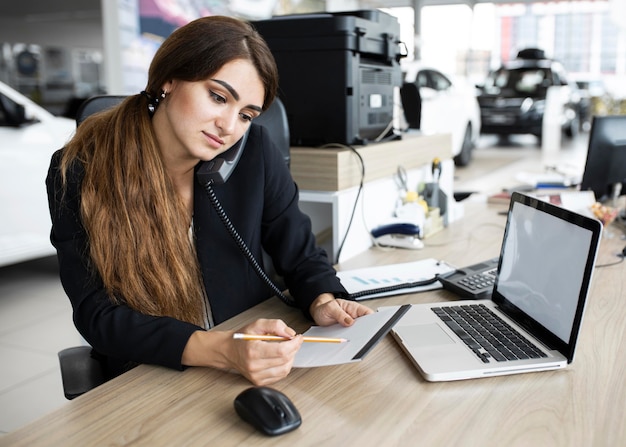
214	140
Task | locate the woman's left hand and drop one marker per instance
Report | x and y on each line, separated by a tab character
327	310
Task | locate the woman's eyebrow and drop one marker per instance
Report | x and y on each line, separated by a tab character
234	93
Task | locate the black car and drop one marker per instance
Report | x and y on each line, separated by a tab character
513	97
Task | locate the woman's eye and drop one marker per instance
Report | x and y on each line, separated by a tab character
217	97
246	117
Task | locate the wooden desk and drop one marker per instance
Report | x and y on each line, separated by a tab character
383	400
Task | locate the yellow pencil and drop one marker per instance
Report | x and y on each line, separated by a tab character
238	336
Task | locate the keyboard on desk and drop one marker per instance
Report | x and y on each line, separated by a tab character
480	281
486	334
472	282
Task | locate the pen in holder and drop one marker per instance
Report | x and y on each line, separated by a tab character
437	201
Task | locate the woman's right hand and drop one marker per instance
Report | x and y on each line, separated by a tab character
265	362
261	362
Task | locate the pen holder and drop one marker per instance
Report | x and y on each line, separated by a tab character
436	198
433	223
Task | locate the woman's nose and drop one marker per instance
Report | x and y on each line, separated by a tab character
226	122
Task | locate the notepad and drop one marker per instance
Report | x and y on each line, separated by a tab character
362	336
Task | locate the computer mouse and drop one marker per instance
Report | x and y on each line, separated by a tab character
268	410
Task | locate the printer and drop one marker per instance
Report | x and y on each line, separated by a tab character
338	72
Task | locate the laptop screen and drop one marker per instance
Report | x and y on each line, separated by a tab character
545	269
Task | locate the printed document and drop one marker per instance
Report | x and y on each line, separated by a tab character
386	280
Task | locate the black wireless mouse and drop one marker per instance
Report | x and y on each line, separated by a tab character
268	410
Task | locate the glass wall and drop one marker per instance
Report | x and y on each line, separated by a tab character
584	35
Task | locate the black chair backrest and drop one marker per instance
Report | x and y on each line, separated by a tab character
274	119
412	104
96	104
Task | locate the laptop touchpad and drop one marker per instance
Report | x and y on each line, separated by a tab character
425	335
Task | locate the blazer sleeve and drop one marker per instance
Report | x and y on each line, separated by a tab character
112	330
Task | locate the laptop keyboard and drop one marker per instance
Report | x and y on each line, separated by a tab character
486	334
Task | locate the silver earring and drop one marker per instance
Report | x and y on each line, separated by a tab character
153	102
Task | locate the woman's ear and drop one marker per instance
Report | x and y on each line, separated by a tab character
167	87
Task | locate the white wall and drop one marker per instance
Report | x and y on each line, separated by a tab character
330	211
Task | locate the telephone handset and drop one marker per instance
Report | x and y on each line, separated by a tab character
217	171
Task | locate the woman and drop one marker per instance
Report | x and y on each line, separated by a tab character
144	258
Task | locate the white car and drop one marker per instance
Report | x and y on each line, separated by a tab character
447	106
29	135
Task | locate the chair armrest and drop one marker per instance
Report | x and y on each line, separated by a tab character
80	372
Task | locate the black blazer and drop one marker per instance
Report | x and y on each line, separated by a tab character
261	200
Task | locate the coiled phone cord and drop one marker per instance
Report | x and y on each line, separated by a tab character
217	206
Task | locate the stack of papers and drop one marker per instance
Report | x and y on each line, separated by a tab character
394	279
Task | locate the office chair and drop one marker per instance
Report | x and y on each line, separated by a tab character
96	104
412	104
274	119
80	371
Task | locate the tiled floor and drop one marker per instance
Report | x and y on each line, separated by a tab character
35	323
35	315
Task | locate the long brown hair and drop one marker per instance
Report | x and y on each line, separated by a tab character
135	221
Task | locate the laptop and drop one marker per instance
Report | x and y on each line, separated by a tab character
538	300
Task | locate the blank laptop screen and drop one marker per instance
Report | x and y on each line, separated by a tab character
542	267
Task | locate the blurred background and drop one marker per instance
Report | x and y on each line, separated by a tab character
55	52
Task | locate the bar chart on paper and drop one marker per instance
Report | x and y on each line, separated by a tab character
393	276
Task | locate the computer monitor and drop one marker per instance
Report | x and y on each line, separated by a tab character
605	168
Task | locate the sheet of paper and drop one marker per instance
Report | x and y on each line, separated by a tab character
362	336
374	278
